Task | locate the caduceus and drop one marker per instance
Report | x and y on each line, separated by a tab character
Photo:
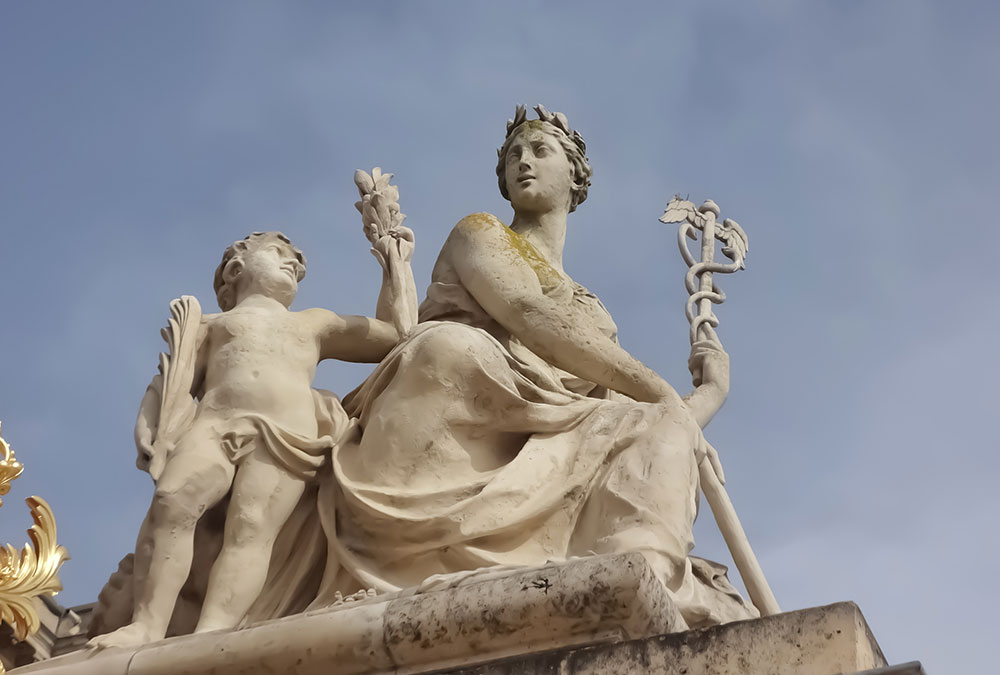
702	294
698	280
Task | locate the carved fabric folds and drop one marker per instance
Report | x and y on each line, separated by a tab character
475	452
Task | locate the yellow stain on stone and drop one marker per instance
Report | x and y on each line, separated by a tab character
515	244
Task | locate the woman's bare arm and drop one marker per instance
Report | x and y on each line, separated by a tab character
504	281
709	366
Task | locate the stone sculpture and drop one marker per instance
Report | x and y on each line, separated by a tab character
507	428
259	432
510	427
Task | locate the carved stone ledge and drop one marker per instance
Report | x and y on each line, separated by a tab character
831	640
605	615
447	623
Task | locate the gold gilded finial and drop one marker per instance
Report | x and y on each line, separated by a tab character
33	571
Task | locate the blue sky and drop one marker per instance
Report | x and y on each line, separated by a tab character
855	142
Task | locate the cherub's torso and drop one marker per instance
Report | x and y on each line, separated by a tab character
261	361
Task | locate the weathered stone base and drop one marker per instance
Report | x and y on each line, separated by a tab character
601	615
820	641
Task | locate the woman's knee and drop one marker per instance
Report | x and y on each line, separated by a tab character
676	429
450	349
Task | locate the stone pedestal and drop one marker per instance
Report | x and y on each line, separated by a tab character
819	641
604	615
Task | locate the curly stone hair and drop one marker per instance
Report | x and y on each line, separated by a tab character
570	140
225	294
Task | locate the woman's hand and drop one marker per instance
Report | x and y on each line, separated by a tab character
709	365
705	450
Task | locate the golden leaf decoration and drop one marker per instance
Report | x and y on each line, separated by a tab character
10	468
33	571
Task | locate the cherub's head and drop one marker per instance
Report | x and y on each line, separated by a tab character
265	262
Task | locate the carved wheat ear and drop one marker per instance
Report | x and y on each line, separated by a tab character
379	205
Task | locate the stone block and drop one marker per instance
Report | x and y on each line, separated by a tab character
820	641
445	623
603	615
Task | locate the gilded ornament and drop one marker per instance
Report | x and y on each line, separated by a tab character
33	571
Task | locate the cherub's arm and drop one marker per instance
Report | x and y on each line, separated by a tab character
201	358
146	423
352	338
397	300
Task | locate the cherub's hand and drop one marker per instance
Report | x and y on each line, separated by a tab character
394	247
709	365
404	242
144	458
153	458
144	445
156	466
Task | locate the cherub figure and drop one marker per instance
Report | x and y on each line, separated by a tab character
258	432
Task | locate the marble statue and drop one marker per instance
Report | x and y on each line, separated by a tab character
508	427
259	432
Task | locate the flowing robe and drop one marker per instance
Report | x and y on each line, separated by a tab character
475	452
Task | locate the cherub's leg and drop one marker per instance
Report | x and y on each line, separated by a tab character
195	478
264	496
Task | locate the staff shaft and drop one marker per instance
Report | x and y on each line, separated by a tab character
705	279
736	539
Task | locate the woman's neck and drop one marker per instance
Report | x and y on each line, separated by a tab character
545	231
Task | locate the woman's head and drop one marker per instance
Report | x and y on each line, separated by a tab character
549	132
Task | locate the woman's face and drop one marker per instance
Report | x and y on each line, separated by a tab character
539	175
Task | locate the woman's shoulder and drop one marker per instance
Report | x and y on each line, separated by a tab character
479	223
477	231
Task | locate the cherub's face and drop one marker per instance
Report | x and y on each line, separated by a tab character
539	175
273	269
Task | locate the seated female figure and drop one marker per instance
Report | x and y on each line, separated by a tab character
511	428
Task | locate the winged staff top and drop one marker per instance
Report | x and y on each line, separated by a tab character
698	280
